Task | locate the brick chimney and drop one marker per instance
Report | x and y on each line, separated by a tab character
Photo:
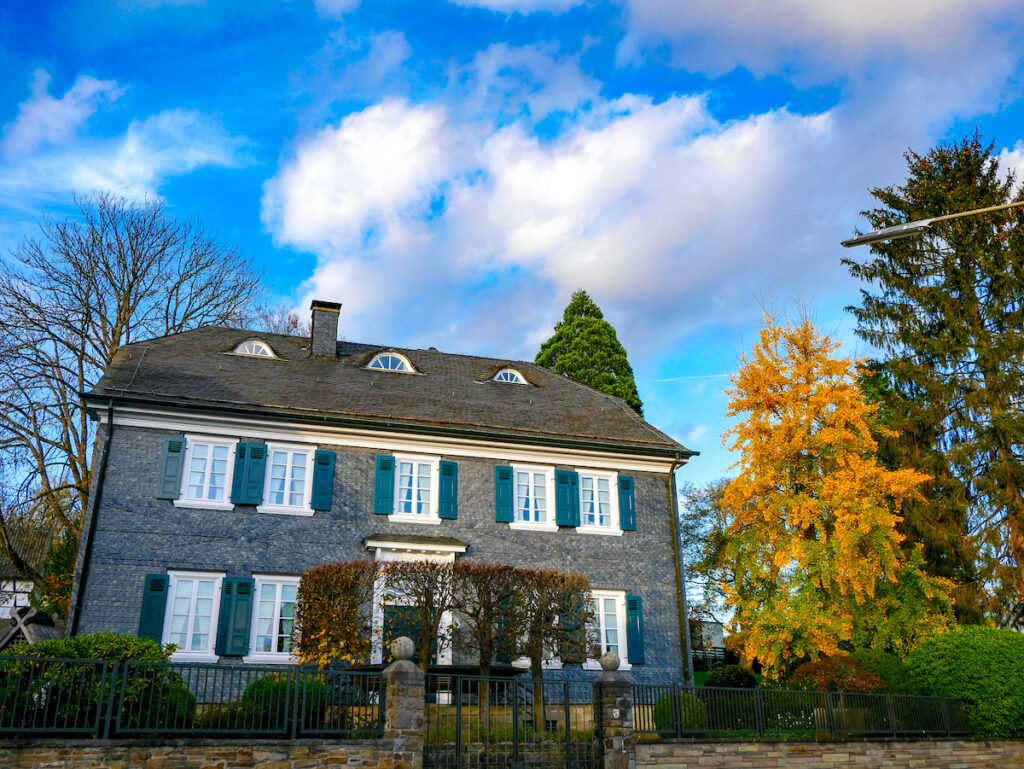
324	334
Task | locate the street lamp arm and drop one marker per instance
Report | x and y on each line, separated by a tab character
920	226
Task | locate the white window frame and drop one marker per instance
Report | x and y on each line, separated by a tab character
409	368
432	516
549	524
307	493
615	530
269	354
186	655
183	499
517	378
288	658
619	597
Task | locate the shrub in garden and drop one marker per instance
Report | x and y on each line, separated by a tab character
731	677
267	702
68	694
691	713
984	666
333	612
835	673
888	667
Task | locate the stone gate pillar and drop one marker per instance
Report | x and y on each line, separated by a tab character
613	714
403	706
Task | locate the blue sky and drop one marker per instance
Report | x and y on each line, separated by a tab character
452	171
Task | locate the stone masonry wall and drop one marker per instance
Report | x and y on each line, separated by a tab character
137	534
299	754
931	754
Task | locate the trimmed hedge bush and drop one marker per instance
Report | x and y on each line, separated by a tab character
731	677
265	702
692	713
889	668
984	666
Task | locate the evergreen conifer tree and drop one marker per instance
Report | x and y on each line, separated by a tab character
585	347
947	312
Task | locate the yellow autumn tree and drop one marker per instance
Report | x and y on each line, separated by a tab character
811	516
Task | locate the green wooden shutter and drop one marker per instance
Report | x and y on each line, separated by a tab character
449	504
567	498
170	468
384	486
323	479
627	505
154	602
250	469
236	599
504	499
634	630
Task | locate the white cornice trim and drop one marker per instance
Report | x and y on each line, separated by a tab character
381	440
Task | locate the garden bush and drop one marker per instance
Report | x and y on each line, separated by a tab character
68	694
984	666
889	668
836	673
731	677
266	703
691	711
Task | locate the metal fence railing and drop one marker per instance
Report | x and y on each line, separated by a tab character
684	711
105	699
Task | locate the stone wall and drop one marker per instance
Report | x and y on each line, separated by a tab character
198	754
924	754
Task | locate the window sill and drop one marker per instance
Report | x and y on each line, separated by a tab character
270	659
600	531
533	526
204	504
596	665
430	520
194	657
284	510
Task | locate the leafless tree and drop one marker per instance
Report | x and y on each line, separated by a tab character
118	272
427	588
280	320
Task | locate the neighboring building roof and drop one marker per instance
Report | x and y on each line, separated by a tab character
449	393
31	542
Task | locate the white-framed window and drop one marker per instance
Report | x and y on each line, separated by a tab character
416	488
255	348
609	629
510	375
272	619
288	484
209	468
534	494
190	620
599	502
391	361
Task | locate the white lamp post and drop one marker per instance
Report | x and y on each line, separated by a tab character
920	226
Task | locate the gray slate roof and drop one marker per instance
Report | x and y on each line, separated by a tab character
451	393
30	541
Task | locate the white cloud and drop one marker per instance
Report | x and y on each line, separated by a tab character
715	36
42	119
1012	161
521	6
134	164
335	8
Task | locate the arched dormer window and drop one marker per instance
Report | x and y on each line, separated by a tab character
510	375
255	348
390	361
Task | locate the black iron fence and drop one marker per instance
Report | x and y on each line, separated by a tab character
93	698
683	711
475	722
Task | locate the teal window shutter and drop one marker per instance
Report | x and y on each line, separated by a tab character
503	496
634	630
236	599
250	468
384	486
323	479
170	468
627	504
567	498
449	505
154	602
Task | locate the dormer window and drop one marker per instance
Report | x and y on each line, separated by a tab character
391	361
510	375
255	348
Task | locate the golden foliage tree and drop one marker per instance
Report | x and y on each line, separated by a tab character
812	516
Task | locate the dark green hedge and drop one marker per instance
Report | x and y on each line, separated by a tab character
731	677
889	668
984	666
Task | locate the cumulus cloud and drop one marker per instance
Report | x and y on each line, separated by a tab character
715	36
43	119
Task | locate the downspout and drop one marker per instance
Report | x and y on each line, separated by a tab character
687	645
90	518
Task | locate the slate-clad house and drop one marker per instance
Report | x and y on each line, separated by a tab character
230	461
